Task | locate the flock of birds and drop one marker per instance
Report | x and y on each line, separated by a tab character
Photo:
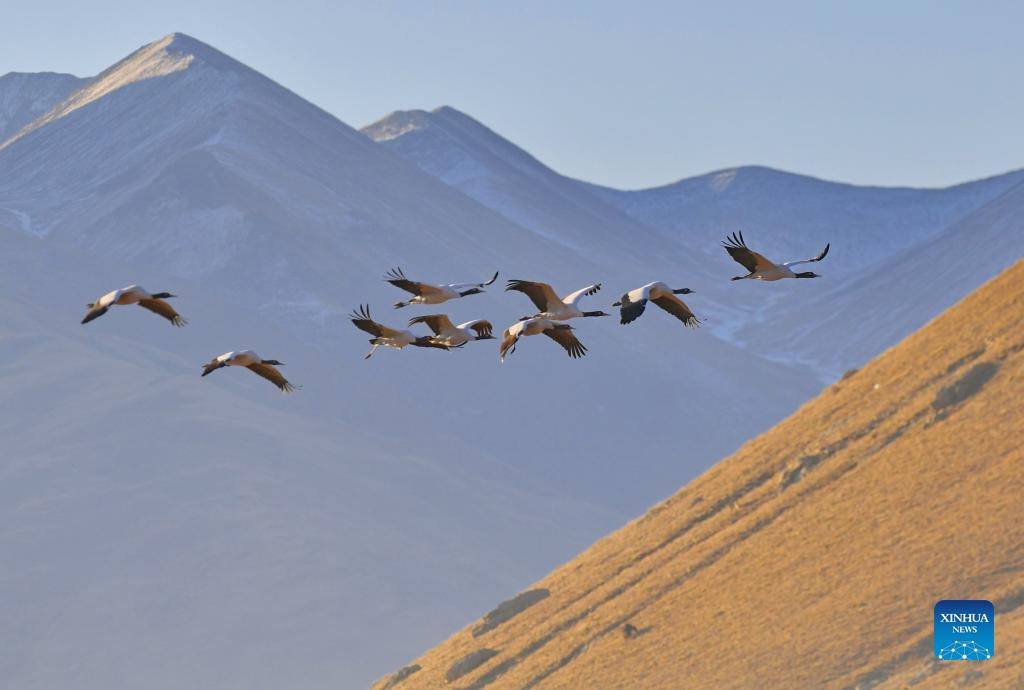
549	320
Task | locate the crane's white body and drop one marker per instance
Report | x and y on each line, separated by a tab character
774	272
438	294
534	326
649	292
394	338
568	307
132	294
239	358
553	307
457	335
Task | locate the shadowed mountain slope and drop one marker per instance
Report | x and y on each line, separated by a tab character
24	96
465	154
182	169
814	555
163	530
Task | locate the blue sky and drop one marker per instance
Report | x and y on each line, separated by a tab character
921	93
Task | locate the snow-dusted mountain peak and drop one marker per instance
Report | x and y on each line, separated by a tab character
156	59
172	54
179	46
397	124
401	122
177	42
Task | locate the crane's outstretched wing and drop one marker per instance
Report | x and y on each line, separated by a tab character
630	311
567	339
270	373
541	294
362	320
459	287
574	297
741	254
428	341
397	278
438	323
677	308
95	312
819	257
482	327
158	306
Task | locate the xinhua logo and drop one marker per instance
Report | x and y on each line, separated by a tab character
965	630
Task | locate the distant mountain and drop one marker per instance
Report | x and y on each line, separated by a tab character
182	157
26	96
792	216
899	294
783	215
182	169
465	154
887	247
812	557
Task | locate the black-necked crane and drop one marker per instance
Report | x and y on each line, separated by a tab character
552	306
134	294
254	363
632	304
561	333
446	333
764	269
389	337
424	293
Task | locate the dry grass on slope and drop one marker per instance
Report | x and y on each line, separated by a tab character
814	555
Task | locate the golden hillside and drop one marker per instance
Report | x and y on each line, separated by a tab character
814	555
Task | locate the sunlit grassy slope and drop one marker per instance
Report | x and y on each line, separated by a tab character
814	555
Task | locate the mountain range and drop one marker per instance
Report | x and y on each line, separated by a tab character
879	237
388	501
